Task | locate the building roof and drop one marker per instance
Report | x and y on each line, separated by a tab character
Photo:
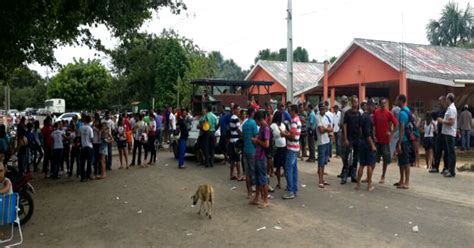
433	64
304	74
223	82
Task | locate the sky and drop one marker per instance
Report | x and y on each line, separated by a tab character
239	29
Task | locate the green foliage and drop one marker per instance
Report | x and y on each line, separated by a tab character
332	59
226	68
27	89
31	30
82	84
299	55
151	66
454	28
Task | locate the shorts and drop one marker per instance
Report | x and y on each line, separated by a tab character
366	155
279	157
383	151
249	166
404	156
103	150
121	144
269	151
261	172
428	143
234	156
322	155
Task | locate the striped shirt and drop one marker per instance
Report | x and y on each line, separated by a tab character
234	126
295	128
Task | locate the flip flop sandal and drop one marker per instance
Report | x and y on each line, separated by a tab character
326	183
321	185
396	184
241	179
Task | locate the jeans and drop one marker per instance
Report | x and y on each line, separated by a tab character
181	151
37	155
303	144
350	170
311	134
47	160
159	136
56	162
451	154
66	152
75	158
338	139
152	148
22	161
109	156
209	145
86	156
137	145
96	159
438	152
291	171
465	139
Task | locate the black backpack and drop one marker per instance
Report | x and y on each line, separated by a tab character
411	128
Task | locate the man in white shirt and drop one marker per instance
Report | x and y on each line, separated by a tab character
111	126
330	118
449	123
86	152
324	127
172	125
337	129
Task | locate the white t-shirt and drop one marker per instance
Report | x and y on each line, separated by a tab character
172	121
140	129
121	133
86	136
58	139
451	112
336	121
5	180
280	142
323	138
429	129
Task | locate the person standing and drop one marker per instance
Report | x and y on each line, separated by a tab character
96	141
344	108
234	135
209	120
86	151
249	131
262	142
367	146
302	115
440	149
277	127
323	129
151	139
404	144
351	141
223	126
384	122
172	128
311	128
110	127
183	137
37	150
428	139
330	116
465	124
159	128
449	123
138	129
293	146
47	145
106	139
122	143
337	130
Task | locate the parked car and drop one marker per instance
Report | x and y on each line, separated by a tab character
13	112
192	145
68	116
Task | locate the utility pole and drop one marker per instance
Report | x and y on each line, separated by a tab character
289	54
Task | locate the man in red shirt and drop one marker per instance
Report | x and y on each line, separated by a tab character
384	124
47	145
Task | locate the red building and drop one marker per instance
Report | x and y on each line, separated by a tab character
305	75
374	68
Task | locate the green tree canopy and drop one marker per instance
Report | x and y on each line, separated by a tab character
31	30
300	54
82	84
226	68
28	89
454	28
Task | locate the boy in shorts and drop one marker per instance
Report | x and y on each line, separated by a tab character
367	148
323	129
262	141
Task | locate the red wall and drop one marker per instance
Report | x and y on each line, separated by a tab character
362	67
262	75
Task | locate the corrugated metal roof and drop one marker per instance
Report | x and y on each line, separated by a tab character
446	63
304	74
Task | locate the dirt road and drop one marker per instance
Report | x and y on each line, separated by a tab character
151	207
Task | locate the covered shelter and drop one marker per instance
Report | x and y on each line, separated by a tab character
305	74
375	68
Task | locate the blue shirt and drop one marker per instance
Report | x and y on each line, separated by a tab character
403	119
224	121
159	121
287	116
249	130
311	123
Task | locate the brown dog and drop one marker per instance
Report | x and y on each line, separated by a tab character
205	193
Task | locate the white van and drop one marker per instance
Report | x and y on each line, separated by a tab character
55	105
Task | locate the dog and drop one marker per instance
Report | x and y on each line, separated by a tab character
205	193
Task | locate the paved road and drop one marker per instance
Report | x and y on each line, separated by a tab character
106	213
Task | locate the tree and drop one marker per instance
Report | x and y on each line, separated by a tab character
27	89
299	55
332	59
151	66
82	84
454	28
226	68
31	30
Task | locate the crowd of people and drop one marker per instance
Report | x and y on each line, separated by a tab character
263	142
